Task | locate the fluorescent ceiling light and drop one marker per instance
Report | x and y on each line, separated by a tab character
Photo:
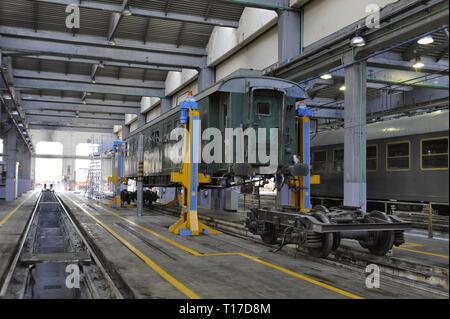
326	76
426	40
418	64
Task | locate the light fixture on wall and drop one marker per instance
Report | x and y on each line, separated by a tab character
342	88
426	40
418	64
358	41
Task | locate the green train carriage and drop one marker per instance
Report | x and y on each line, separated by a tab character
235	102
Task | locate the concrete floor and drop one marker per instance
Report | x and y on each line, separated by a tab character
157	264
220	266
13	219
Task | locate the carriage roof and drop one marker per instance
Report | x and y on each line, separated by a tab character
405	126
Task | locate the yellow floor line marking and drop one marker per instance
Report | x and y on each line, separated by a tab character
408	244
167	240
422	252
9	215
291	273
255	259
160	271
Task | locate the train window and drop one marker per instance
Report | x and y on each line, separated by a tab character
263	108
398	156
338	160
372	158
434	154
319	161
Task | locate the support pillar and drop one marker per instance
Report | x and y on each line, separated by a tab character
355	136
140	169
206	78
125	131
142	119
21	149
165	105
289	35
69	167
27	170
12	167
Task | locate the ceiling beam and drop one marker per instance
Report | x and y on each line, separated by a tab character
101	52
76	114
114	21
261	4
412	52
99	40
93	62
23	83
95	109
407	66
67	127
184	17
28	74
87	108
42	119
67	100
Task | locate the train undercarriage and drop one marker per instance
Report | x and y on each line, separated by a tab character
322	230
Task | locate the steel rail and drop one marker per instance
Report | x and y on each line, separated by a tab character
23	240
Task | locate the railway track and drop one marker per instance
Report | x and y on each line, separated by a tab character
55	260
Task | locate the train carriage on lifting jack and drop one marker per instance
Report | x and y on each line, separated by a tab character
235	102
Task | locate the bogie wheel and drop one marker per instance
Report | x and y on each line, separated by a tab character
326	239
384	240
336	241
270	237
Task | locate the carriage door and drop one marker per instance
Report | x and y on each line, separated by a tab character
267	106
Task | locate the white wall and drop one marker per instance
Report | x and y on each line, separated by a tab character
224	41
130	118
324	17
175	80
257	55
70	140
153	114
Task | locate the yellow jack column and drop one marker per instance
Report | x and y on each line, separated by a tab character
189	177
302	198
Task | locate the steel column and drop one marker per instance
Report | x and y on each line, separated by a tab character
11	167
355	136
289	35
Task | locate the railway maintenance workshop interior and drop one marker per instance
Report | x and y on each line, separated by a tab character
242	152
